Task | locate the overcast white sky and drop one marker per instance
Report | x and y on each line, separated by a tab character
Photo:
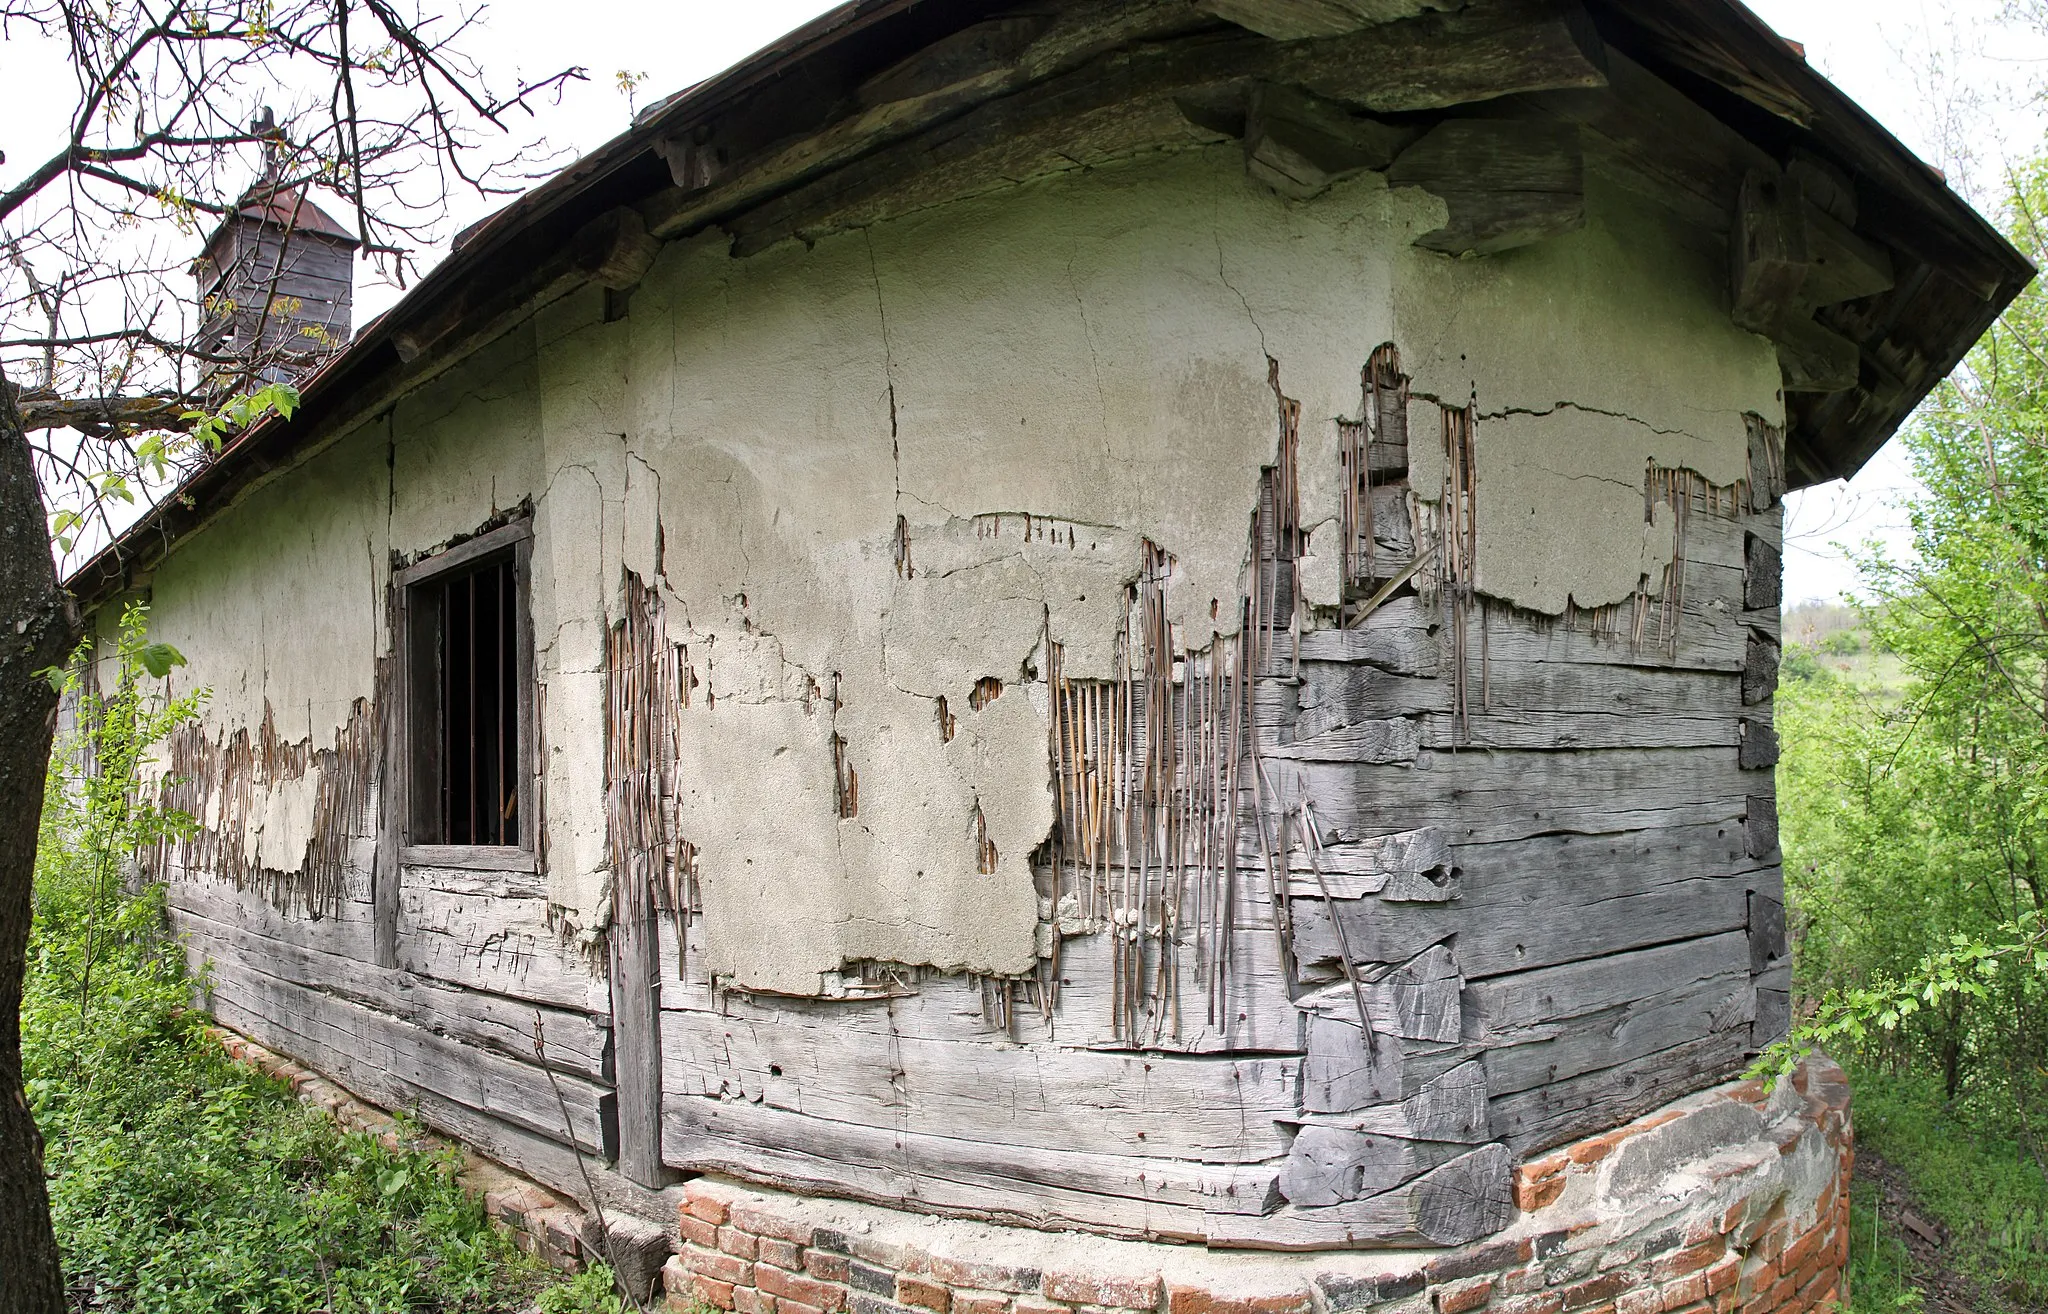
1955	81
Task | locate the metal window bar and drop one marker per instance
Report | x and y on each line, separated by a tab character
479	711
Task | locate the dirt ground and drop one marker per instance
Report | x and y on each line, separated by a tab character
1927	1245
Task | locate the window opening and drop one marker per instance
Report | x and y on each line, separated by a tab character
465	708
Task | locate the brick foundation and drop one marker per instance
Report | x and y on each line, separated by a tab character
1729	1200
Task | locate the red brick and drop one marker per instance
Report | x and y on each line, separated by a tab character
713	1292
763	1223
1591	1292
1089	1289
735	1242
1201	1300
980	1302
1534	1194
696	1231
1480	1261
1518	1281
1462	1297
826	1267
1538	1302
783	1306
1595	1148
720	1267
707	1207
1722	1276
782	1254
749	1300
785	1285
1810	1290
1685	1291
982	1277
1803	1249
1689	1260
1027	1305
925	1295
1642	1300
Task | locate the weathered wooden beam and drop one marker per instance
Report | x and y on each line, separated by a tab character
1759	747
1299	144
1124	101
1761	825
478	1079
1507	182
985	50
1294	20
829	1061
1559	1022
1789	256
576	1042
614	250
1766	932
1759	669
1330	1165
636	1029
1109	1190
1763	575
1437	61
1571	1107
1767	251
1461	1201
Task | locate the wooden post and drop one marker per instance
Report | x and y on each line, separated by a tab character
636	1031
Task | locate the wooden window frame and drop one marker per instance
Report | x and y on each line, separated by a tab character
521	857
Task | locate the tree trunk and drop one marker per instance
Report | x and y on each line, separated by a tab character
38	628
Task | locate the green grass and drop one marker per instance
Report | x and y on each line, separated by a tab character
1880	1274
184	1183
1980	1183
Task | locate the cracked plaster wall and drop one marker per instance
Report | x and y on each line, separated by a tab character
1036	382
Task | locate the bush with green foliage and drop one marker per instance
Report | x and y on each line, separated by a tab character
1914	819
180	1181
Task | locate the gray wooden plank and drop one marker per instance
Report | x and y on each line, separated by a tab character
576	1042
704	1133
491	931
1220	1110
1556	1022
1565	1110
346	931
1461	1201
545	1159
1487	796
511	1091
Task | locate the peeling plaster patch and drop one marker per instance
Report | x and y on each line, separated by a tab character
283	826
1591	357
1538	471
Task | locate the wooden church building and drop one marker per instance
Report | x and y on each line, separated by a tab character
1147	620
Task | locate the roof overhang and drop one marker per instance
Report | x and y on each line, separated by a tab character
879	94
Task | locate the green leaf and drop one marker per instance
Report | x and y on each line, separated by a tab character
159	658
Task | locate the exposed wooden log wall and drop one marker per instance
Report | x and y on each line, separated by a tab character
1381	906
